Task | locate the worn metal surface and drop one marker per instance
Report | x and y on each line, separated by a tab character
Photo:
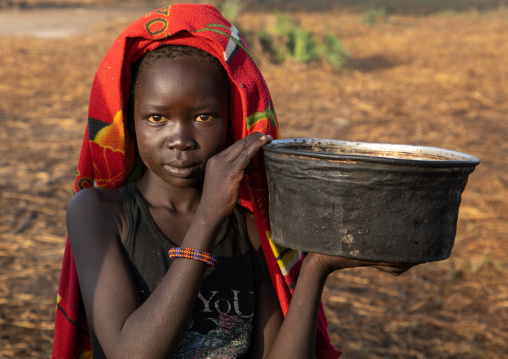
390	203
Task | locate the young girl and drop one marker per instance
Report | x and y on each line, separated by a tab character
178	114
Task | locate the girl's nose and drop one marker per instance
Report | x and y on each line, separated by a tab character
181	137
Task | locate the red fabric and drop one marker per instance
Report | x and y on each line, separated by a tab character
107	157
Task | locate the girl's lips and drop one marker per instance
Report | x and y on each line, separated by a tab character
181	169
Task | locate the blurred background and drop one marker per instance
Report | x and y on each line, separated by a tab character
421	72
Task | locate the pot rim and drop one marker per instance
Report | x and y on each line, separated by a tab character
454	158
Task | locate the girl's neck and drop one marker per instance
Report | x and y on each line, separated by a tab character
161	194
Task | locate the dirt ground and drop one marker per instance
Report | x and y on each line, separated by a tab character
424	75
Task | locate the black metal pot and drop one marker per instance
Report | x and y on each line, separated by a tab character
379	202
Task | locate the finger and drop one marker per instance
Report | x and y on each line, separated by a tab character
234	150
244	150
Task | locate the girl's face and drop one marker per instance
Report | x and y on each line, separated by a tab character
181	119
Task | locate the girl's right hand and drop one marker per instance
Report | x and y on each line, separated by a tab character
224	173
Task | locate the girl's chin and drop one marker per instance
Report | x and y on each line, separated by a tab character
192	182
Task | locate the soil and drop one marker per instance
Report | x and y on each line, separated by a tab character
422	75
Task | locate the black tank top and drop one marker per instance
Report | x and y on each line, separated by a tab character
222	320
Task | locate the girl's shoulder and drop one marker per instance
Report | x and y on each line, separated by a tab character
96	199
97	207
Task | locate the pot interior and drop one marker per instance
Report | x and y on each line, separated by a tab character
379	152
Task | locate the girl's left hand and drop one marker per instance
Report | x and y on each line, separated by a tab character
327	264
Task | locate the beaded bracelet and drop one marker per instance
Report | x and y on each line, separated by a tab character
190	253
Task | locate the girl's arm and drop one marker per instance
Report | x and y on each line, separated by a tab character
153	329
124	327
294	336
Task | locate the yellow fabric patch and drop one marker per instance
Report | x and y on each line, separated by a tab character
112	136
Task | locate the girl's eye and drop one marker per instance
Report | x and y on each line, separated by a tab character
155	118
205	118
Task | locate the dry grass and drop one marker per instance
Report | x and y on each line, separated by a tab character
439	80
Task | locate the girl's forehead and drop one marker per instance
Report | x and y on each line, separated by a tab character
171	52
175	82
183	67
180	70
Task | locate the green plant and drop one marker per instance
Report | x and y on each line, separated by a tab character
334	52
374	16
296	41
290	40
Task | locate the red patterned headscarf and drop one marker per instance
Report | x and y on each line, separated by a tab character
108	154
